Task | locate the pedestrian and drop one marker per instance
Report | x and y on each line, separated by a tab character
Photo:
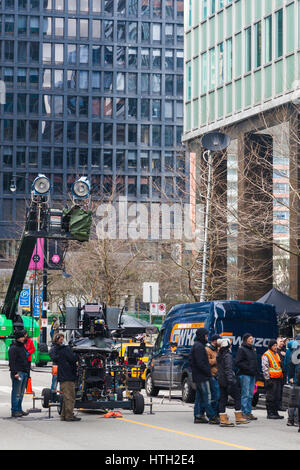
281	350
228	385
272	372
63	356
291	368
54	330
19	372
30	348
201	375
247	364
298	381
212	351
54	370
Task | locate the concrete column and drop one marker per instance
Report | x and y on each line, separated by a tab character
255	213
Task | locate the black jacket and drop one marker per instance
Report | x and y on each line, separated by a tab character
199	361
298	375
226	375
65	360
18	358
246	361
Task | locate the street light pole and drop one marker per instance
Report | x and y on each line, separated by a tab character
213	142
206	225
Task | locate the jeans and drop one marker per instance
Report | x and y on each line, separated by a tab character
247	386
203	401
18	390
215	394
54	383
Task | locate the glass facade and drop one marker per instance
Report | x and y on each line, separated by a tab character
93	87
242	54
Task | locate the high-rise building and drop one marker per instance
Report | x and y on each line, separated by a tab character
93	87
242	77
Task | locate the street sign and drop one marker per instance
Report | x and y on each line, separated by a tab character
38	300
150	292
162	309
24	300
153	309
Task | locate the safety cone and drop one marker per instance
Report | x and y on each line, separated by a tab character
29	390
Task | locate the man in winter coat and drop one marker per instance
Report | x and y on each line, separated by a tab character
298	381
228	385
65	359
247	364
19	372
212	351
201	375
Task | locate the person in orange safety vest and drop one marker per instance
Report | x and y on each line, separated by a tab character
273	375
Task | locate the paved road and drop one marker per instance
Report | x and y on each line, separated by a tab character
170	427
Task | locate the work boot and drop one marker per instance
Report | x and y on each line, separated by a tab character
290	422
214	420
74	418
25	413
249	416
224	421
16	414
200	420
239	418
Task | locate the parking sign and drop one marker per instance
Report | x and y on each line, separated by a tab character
24	300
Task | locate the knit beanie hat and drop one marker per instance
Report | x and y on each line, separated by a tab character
20	334
224	343
271	343
215	337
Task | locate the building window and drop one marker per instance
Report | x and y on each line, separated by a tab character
279	33
248	51
268	39
258	41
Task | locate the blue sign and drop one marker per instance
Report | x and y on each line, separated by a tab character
38	302
24	300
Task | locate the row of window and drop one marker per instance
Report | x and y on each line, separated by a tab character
205	8
217	63
155	8
130	57
83	80
96	133
95	158
147	186
117	108
106	30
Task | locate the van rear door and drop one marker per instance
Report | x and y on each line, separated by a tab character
234	319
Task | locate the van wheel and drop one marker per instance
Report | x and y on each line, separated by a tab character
149	387
188	393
